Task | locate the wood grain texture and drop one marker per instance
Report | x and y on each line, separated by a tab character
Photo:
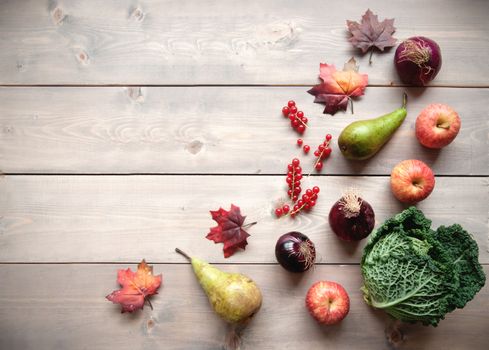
223	42
126	218
216	130
45	307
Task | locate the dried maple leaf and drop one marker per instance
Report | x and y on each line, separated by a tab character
338	87
136	287
371	33
229	230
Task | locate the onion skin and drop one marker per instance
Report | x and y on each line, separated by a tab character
418	60
289	254
354	228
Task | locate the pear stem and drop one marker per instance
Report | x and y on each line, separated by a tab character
181	252
404	100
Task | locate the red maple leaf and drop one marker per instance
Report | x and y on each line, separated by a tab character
338	87
371	33
229	230
136	287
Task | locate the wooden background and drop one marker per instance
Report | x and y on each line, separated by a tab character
122	123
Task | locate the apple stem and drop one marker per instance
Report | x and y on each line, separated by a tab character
444	125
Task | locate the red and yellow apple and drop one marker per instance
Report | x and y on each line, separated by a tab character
327	302
412	181
437	125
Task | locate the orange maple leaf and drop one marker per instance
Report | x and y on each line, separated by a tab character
338	87
136	287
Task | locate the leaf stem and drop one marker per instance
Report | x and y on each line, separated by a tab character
250	224
149	303
371	53
351	104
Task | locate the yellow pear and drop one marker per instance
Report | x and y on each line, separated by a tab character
233	296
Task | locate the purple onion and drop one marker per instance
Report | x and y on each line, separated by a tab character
295	252
418	60
351	218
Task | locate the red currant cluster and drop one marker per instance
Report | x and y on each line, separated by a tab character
297	119
294	176
307	202
323	151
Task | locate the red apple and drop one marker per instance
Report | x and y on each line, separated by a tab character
412	181
327	302
437	125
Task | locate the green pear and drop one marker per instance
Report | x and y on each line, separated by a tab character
234	297
363	138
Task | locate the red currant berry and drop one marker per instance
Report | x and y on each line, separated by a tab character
289	192
320	148
312	203
289	180
307	206
279	212
298	176
327	152
295	162
295	123
301	128
306	148
305	198
315	189
294	198
299	142
319	166
285	111
300	114
291	103
316	153
297	184
293	109
297	190
328	137
300	203
304	120
314	197
298	169
309	192
290	167
296	207
285	209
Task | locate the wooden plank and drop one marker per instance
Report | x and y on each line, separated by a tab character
231	42
216	130
127	218
71	298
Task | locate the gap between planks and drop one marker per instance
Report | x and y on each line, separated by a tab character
222	174
229	85
173	263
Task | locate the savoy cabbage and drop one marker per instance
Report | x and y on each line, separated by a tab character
417	274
